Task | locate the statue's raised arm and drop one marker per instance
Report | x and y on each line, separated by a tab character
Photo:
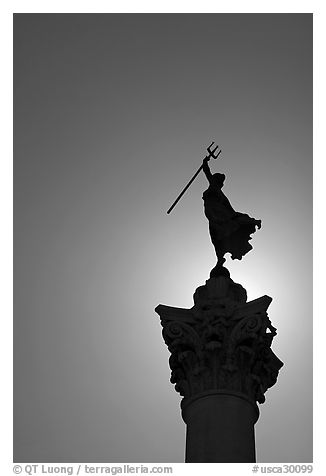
207	170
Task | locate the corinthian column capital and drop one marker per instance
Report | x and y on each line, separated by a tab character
222	344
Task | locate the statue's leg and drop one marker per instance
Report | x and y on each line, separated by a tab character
219	269
219	249
220	252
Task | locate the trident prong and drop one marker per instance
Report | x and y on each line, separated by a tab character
211	153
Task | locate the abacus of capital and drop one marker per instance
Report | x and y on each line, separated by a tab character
221	358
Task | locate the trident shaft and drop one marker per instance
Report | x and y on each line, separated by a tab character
211	154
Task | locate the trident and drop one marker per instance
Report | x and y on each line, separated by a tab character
210	154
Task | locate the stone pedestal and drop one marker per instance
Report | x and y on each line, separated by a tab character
221	364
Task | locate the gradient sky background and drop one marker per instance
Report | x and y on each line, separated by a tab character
112	115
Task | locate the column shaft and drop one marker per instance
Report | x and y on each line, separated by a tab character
220	429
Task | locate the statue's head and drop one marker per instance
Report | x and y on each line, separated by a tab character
218	180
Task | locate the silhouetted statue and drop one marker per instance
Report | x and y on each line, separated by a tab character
229	230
